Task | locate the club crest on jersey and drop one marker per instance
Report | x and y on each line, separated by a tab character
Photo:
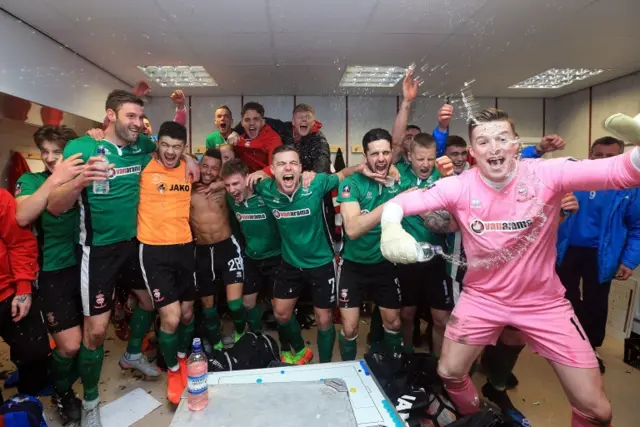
480	227
291	214
18	188
346	191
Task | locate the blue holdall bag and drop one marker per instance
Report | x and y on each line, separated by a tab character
22	410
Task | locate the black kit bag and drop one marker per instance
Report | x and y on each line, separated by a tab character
254	350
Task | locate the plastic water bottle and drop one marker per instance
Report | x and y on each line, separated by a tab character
197	388
428	251
101	187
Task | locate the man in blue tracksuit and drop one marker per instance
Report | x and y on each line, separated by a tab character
601	242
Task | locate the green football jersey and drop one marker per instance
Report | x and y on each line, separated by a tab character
214	139
57	235
369	194
414	224
112	217
258	227
300	219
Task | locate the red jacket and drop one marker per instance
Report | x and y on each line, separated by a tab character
18	251
256	153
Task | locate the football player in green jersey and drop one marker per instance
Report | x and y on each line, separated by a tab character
58	290
307	252
107	231
423	283
262	250
363	266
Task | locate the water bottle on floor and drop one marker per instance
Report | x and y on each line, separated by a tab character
197	389
101	187
428	251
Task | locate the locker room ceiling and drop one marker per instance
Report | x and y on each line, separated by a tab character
271	47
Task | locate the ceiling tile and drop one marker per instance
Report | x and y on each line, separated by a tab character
326	16
393	49
423	17
314	48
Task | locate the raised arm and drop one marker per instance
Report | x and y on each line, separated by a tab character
409	93
441	131
179	99
565	175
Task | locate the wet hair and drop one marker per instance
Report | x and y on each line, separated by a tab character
233	167
59	135
214	153
117	98
224	107
416	127
456	141
173	130
283	149
304	108
491	115
424	140
608	140
258	108
375	135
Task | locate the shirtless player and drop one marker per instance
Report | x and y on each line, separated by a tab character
217	251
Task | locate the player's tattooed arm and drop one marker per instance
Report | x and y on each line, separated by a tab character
439	222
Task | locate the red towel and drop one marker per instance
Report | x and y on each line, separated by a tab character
17	166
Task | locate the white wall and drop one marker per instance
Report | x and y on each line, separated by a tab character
37	69
568	116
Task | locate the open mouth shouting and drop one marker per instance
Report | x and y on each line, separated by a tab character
252	131
288	179
496	163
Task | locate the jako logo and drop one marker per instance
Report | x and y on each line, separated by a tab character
291	214
480	227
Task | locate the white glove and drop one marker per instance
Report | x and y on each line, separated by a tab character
624	127
397	245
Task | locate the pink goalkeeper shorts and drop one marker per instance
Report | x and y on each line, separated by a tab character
551	329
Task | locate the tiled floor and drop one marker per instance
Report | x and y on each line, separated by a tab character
539	395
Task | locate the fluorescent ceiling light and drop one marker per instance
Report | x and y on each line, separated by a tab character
556	78
178	76
376	76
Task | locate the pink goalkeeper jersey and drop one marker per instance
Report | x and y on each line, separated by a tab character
510	249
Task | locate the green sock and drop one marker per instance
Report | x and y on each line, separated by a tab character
211	324
376	332
348	348
140	325
284	340
168	343
292	334
238	314
63	371
185	336
90	366
254	318
392	342
326	340
499	361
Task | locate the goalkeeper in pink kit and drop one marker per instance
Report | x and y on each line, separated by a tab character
507	210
